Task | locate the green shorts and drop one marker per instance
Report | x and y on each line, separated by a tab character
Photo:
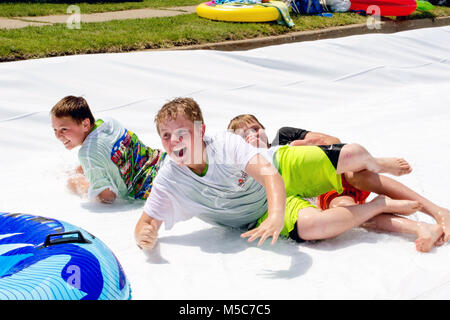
307	172
293	205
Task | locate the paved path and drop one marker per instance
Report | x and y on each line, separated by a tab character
21	22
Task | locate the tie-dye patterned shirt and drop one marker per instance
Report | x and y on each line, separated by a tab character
114	158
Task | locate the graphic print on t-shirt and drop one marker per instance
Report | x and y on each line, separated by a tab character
137	163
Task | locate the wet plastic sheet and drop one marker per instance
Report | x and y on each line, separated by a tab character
387	92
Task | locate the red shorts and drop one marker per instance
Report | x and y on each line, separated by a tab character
360	196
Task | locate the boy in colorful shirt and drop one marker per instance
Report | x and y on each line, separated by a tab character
224	180
249	127
114	162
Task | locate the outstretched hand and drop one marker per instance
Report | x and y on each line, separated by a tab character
147	236
268	228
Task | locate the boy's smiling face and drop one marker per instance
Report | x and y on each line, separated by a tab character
183	140
69	132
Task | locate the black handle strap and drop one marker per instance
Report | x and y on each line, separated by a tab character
65	237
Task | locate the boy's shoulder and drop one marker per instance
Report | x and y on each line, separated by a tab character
106	129
217	136
170	175
231	149
222	142
223	137
104	126
107	124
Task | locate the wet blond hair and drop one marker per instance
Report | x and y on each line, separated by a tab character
186	107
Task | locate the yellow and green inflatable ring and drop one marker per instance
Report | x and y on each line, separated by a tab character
237	12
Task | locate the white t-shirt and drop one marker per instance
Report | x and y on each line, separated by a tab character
225	195
269	153
94	156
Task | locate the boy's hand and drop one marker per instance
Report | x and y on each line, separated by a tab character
147	234
78	184
271	227
79	170
253	140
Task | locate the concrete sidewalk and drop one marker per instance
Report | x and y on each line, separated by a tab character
22	22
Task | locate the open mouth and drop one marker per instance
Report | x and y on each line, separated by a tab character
180	152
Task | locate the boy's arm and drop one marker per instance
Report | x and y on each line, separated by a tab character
92	176
315	138
265	173
80	185
146	231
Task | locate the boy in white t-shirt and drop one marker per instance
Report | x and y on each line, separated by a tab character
218	179
226	181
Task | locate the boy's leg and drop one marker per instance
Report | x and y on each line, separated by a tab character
380	184
427	234
349	196
354	157
339	221
342	201
313	224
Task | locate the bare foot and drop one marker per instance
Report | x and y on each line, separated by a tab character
443	218
394	166
428	235
404	207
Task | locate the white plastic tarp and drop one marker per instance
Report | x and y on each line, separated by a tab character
388	92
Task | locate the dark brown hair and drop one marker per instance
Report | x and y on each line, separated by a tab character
76	108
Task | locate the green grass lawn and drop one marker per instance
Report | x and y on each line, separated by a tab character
167	32
127	35
43	9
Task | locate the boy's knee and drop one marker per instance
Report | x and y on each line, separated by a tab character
356	148
307	223
360	179
342	201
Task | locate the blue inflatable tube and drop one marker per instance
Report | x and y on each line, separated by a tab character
47	259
